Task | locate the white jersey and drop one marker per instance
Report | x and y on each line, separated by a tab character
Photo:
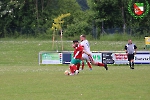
86	46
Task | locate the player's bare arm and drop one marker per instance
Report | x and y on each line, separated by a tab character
86	53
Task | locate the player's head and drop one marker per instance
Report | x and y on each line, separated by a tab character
82	37
75	43
129	41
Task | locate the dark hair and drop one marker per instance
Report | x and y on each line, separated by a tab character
75	41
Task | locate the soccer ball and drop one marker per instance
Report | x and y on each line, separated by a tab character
66	72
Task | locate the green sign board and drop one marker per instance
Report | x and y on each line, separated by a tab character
97	57
51	58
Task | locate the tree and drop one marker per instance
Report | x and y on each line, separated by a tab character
111	14
57	26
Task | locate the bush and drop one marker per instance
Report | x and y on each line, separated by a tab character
119	37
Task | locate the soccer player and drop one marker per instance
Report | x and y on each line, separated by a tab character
78	51
85	44
130	50
88	63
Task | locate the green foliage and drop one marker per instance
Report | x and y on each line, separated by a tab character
120	37
115	14
35	17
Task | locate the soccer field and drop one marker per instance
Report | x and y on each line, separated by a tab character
49	83
21	78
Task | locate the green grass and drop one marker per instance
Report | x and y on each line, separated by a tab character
49	83
21	78
25	52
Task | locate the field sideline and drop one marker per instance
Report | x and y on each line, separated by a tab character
21	78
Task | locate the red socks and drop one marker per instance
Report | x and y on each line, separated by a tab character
82	65
73	68
78	66
89	65
99	64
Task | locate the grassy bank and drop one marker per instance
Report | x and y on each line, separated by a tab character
26	51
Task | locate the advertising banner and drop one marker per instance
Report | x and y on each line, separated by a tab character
66	58
142	58
107	58
51	58
120	58
147	40
97	57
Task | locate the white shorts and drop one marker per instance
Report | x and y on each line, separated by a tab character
86	57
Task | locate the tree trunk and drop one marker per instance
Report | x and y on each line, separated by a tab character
37	16
124	26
